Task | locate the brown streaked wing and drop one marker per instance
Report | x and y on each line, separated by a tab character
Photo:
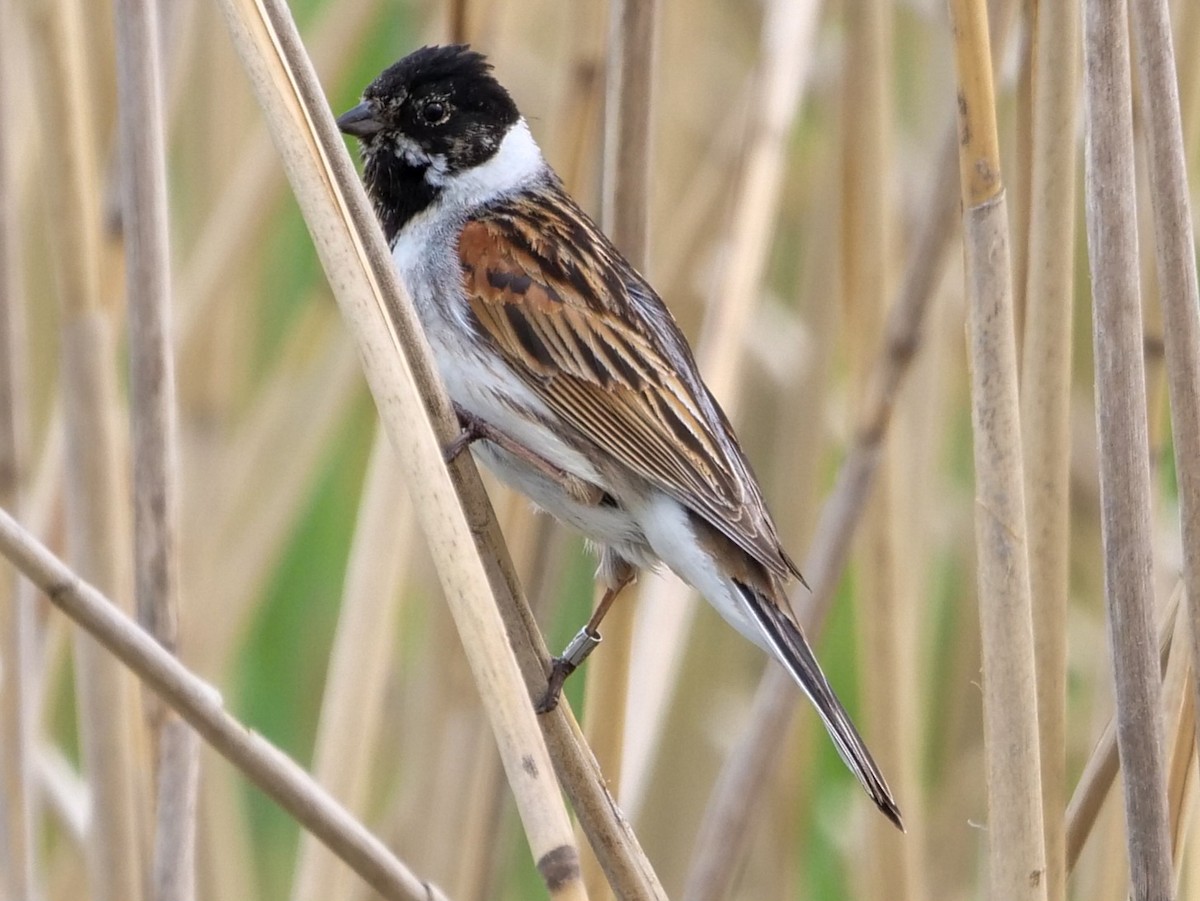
565	323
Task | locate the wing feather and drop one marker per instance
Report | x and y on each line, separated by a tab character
597	346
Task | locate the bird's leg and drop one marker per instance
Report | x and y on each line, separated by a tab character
475	429
472	428
582	644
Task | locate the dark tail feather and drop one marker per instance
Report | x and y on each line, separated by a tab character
793	651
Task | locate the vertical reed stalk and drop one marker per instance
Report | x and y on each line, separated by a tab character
16	614
1189	76
1016	845
625	216
628	138
1019	188
886	603
1046	395
1176	259
354	700
1121	422
143	180
459	15
1179	717
97	511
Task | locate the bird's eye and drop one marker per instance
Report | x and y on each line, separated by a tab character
435	112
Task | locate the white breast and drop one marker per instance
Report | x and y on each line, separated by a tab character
425	253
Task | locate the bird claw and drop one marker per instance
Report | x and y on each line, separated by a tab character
471	430
559	670
584	642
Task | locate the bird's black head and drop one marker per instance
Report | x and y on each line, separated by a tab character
434	114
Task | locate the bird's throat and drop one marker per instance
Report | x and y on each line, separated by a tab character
398	189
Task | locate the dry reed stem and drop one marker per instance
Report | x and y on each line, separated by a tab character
97	513
17	713
354	698
1016	844
1046	395
404	383
1121	424
625	217
628	144
201	705
1189	75
744	775
173	869
457	27
886	605
1176	264
1103	764
145	226
1019	183
1179	713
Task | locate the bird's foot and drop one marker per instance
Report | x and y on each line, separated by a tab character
577	651
471	429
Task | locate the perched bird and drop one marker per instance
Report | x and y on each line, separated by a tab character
572	380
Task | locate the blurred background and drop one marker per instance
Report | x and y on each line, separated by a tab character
791	183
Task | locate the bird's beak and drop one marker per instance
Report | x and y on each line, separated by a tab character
360	121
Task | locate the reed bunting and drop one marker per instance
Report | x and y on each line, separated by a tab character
572	380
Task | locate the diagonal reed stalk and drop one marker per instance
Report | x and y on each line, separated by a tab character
201	705
1176	260
403	380
97	508
1046	394
625	217
143	180
1016	843
16	613
1121	425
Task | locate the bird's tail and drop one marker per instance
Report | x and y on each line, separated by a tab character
785	638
